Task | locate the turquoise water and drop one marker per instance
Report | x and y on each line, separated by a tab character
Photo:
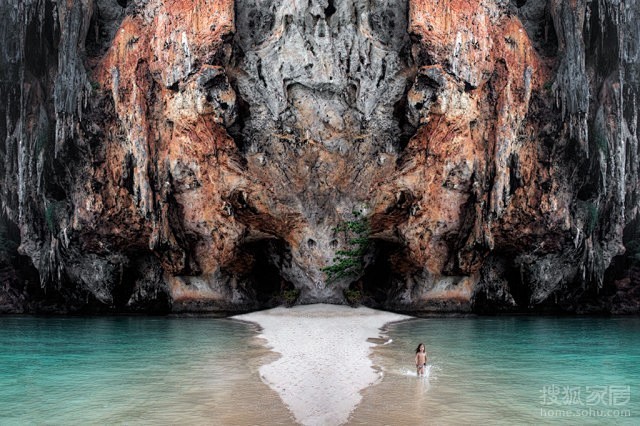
132	370
510	370
499	370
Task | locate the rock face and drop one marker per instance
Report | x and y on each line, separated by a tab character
199	156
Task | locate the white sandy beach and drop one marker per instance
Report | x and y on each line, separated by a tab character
325	359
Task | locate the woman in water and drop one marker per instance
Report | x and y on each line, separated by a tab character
421	359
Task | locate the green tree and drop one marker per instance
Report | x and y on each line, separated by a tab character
350	262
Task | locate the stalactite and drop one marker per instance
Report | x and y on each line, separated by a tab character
478	149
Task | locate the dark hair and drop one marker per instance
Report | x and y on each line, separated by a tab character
418	348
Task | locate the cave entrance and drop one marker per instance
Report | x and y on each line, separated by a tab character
520	289
18	276
376	285
266	260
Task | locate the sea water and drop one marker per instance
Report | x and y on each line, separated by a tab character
490	370
133	370
508	370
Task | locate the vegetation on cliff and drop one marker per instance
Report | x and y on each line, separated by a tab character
350	262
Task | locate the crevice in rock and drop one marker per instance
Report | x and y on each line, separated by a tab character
402	110
128	172
623	275
39	43
601	43
20	279
236	130
329	10
518	288
122	292
550	38
535	17
515	178
589	189
107	17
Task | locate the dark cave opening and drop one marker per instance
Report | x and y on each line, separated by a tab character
122	292
601	41
589	189
502	279
243	116
55	184
376	284
515	179
265	259
105	21
549	37
19	278
139	288
519	289
624	269
39	42
329	10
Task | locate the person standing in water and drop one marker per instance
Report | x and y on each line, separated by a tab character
421	359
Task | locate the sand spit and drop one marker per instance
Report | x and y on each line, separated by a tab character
325	357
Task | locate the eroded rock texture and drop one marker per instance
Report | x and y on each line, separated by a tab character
320	83
197	156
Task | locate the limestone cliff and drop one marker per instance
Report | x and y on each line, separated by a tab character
199	155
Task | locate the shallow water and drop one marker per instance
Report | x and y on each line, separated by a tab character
138	370
509	370
133	370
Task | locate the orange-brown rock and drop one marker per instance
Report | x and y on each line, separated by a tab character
199	155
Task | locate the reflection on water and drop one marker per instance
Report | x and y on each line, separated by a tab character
205	371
